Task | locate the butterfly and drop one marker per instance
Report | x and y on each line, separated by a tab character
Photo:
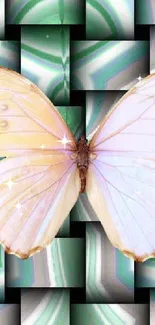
45	168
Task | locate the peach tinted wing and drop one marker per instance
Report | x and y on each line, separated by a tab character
28	120
122	176
39	181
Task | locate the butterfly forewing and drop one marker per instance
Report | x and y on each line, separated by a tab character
28	120
123	174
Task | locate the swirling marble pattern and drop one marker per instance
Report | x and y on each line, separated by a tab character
9	314
145	274
83	211
108	65
74	117
2	275
109	274
45	12
152	307
114	314
45	64
152	49
106	19
61	264
9	55
41	307
2	26
152	313
145	12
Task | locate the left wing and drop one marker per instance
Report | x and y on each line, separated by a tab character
122	176
36	194
39	182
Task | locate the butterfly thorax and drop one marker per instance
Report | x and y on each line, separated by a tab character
82	161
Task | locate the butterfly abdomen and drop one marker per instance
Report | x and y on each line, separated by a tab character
82	161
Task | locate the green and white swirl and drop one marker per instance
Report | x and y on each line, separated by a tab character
152	307
145	273
108	65
41	307
2	26
106	19
60	265
9	55
109	314
152	49
9	314
145	12
44	12
45	60
2	274
109	274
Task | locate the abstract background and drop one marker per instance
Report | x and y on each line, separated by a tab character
84	55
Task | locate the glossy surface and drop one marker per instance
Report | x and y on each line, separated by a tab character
2	26
45	12
45	65
60	265
120	314
107	19
45	307
145	13
108	65
109	274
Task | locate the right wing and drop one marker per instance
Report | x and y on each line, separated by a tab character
121	178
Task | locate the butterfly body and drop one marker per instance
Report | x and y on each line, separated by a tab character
83	161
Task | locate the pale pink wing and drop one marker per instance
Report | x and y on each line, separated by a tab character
39	181
121	179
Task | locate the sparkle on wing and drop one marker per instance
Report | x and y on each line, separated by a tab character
18	206
10	184
42	147
139	78
64	141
